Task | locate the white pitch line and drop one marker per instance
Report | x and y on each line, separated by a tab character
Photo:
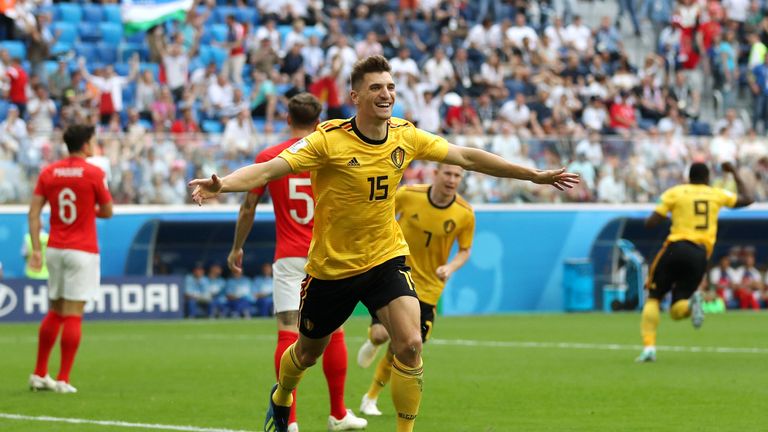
114	423
442	342
594	346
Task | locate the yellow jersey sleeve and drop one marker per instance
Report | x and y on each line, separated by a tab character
467	233
306	154
666	202
429	146
727	198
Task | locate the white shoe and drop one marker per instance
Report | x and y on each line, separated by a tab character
349	422
64	387
647	356
38	383
367	354
368	406
293	427
697	310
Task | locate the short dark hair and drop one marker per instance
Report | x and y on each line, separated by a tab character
371	64
76	136
699	173
304	110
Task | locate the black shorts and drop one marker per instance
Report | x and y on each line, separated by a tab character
679	267
427	319
326	304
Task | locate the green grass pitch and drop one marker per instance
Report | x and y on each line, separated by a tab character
479	376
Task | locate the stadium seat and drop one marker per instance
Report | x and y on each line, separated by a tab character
147	124
60	48
89	31
51	67
314	31
107	52
69	12
284	29
112	13
4	108
111	32
16	49
68	31
247	15
129	94
127	51
136	38
219	32
87	50
212	126
219	56
122	69
92	13
398	110
220	13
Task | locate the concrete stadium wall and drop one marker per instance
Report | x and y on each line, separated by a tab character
516	262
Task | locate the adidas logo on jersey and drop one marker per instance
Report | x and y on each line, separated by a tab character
353	163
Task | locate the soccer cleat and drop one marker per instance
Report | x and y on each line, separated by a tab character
697	311
368	406
647	356
349	422
38	383
293	427
64	387
367	354
277	416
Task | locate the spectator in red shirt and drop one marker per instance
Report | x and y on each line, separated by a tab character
233	67
18	79
186	124
622	112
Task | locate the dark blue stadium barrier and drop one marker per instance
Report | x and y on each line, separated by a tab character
123	298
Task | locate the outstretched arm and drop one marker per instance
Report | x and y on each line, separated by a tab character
242	229
241	180
745	196
473	159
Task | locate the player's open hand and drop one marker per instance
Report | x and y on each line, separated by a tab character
558	178
205	188
728	167
235	261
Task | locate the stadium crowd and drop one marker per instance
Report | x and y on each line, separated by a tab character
528	80
209	294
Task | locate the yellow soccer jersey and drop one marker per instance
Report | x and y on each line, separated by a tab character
694	209
354	180
430	231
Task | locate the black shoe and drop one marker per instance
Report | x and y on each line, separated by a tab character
277	416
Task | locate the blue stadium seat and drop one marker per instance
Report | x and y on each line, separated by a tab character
112	13
314	31
219	32
212	126
51	67
111	32
151	66
284	29
127	51
89	31
147	124
107	52
398	110
136	38
60	48
68	31
69	12
16	49
220	13
247	15
4	104
92	13
87	50
122	69
219	56
129	94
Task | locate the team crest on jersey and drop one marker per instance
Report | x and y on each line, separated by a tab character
449	226
398	157
298	145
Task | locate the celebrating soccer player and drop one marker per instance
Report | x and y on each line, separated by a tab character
77	192
432	219
682	261
358	250
294	211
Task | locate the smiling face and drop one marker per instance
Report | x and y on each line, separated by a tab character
375	96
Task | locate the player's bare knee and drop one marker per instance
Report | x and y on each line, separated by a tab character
408	350
379	335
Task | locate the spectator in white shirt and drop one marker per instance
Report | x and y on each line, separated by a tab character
736	128
239	133
520	31
594	116
578	35
347	56
112	83
176	64
369	46
41	110
480	36
404	68
220	96
557	34
268	31
13	134
516	112
295	35
314	57
438	70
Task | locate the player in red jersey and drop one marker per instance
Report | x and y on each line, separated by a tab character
77	192
294	208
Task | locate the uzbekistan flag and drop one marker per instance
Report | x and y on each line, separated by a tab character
139	15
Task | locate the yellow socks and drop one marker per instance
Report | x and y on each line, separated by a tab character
650	322
381	376
290	375
406	393
679	310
